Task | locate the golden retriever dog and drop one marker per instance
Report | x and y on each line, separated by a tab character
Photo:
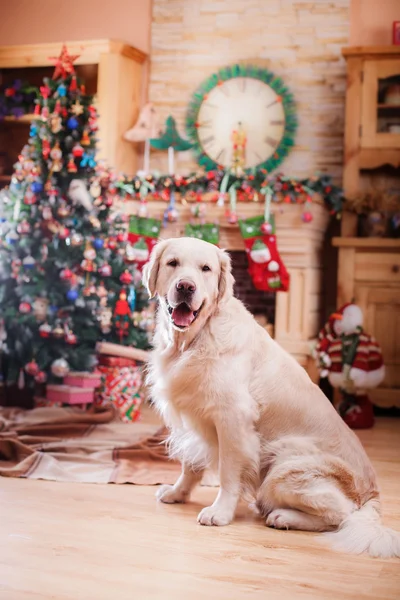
233	399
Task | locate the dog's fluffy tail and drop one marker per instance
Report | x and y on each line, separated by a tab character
363	531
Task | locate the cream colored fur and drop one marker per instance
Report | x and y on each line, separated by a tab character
235	400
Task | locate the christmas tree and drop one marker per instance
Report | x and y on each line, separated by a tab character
68	279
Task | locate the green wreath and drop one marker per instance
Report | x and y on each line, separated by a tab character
254	72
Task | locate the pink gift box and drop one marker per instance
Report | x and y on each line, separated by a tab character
67	394
83	379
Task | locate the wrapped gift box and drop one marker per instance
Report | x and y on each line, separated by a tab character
116	361
66	394
83	379
121	386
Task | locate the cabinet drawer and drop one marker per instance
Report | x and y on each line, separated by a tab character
371	266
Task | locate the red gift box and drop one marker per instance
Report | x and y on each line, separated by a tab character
116	361
121	386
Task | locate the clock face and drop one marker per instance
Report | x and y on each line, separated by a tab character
244	121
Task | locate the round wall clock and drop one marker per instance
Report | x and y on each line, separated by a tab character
242	117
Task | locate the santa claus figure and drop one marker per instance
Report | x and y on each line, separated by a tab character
352	361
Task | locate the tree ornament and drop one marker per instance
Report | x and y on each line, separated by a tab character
37	187
77	151
76	239
72	295
79	194
63	210
95	222
28	262
77	108
72	123
95	189
45	148
122	236
58	331
90	252
45	330
23	227
12	237
85	139
126	278
73	86
25	308
47	213
32	368
60	367
71	166
63	233
55	123
121	315
40	307
105	270
132	298
104	315
70	338
56	156
30	197
66	274
98	243
41	377
112	243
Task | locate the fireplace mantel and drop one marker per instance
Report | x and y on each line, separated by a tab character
297	316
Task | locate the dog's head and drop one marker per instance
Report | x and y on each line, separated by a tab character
190	277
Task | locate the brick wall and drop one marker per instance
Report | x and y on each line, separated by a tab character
258	303
298	40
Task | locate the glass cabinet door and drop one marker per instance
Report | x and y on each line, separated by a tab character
380	104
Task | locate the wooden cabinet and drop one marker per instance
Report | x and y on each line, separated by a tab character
372	120
369	274
112	72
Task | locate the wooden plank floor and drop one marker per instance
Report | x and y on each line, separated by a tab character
95	542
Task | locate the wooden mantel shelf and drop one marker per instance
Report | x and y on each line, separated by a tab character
365	51
371	242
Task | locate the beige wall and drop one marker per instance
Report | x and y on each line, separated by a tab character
371	21
36	21
297	39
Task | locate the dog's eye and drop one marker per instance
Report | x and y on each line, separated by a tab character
205	268
172	263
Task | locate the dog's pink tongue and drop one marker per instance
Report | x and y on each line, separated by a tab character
182	316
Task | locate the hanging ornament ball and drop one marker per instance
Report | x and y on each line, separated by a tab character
23	228
58	331
45	330
41	377
126	278
98	243
122	237
78	150
112	243
76	239
306	217
12	238
63	233
60	367
32	368
25	308
28	262
233	218
105	270
266	228
37	187
90	253
66	274
72	123
72	295
71	338
30	198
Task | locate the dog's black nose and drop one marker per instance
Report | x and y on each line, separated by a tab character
186	287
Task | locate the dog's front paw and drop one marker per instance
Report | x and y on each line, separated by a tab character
170	495
213	515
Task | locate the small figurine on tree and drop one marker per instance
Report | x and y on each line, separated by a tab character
171	140
64	246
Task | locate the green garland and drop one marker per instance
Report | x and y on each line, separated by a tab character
253	72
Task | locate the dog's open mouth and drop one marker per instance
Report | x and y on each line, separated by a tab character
182	315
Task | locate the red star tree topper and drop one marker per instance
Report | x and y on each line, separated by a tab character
64	63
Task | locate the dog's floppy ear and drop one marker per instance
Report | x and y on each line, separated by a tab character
150	269
226	281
